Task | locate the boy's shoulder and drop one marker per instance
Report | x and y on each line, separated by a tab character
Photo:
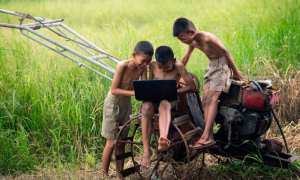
205	36
179	64
152	64
123	64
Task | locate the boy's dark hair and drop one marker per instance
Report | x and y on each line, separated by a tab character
182	25
144	47
163	54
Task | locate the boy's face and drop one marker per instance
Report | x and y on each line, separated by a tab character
186	37
141	60
168	66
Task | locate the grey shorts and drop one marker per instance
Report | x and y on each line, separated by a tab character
116	111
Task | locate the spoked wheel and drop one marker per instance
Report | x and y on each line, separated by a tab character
179	160
169	163
130	135
163	165
185	160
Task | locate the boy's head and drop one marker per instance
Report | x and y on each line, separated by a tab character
165	58
184	30
143	52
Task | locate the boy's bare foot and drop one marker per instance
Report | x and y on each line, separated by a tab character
105	175
163	144
146	161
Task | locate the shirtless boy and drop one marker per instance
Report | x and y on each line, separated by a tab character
217	79
166	67
117	105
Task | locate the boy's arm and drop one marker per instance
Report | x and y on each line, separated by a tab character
236	73
190	84
151	69
145	74
115	90
187	55
215	42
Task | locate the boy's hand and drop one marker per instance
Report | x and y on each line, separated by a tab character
183	88
186	78
238	76
132	93
179	90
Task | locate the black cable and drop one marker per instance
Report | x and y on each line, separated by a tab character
280	129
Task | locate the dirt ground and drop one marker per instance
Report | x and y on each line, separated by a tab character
193	170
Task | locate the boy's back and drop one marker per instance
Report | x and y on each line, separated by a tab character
209	44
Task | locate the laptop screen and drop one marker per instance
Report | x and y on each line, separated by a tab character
155	90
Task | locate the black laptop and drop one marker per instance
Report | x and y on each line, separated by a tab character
155	90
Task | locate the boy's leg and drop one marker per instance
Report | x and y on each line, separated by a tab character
164	120
119	149
147	111
210	105
106	156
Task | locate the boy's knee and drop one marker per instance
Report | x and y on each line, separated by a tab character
147	109
110	143
215	96
206	100
164	105
211	97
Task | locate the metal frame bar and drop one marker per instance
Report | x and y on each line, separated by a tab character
91	57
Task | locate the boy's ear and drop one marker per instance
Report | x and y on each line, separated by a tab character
191	31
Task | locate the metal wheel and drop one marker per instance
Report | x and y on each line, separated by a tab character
130	135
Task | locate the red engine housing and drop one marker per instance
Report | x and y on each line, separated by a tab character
255	100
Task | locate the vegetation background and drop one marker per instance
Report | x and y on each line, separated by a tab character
51	110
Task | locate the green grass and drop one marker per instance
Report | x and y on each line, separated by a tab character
240	170
51	111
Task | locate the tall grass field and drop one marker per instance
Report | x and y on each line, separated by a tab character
51	110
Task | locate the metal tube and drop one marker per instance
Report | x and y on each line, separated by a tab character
110	70
93	46
46	22
87	44
84	48
28	30
31	26
12	13
80	64
11	26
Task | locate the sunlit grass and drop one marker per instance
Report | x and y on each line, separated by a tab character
51	111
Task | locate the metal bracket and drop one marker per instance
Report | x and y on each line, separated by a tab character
63	40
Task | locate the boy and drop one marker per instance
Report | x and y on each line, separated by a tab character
217	79
117	105
165	68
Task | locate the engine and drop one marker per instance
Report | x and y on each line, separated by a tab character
244	112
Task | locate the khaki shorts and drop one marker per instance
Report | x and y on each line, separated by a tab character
116	112
217	77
